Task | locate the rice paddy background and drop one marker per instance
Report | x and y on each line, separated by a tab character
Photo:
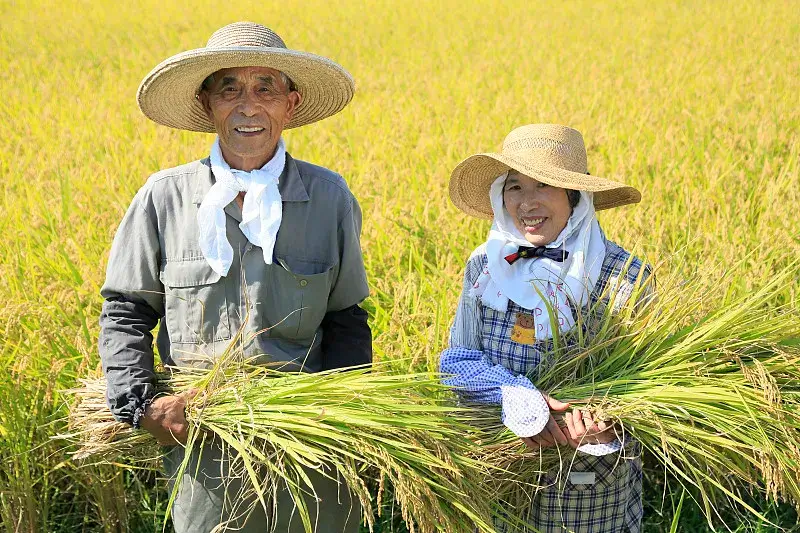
695	103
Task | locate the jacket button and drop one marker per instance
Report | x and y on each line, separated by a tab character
303	283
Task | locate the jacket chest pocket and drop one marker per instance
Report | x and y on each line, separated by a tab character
296	299
196	305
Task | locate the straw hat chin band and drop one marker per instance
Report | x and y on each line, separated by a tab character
168	94
549	153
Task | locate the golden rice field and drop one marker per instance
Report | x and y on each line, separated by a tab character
695	103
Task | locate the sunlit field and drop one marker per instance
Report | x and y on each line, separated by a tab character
696	104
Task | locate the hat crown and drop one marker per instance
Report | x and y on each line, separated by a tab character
551	144
241	34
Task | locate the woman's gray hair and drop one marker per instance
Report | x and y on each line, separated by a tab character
574	197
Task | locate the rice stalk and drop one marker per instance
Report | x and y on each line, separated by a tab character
365	426
714	397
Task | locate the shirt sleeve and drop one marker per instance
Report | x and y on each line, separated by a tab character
524	409
134	303
467	369
346	338
350	287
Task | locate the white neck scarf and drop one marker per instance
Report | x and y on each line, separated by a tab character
528	281
261	213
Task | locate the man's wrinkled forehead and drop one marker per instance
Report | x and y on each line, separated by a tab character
232	75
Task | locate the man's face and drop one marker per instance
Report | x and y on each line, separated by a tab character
249	107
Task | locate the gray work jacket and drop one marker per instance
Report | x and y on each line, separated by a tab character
157	274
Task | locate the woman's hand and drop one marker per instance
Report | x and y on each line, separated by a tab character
552	434
582	429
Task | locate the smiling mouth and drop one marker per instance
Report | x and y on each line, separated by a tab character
533	223
248	129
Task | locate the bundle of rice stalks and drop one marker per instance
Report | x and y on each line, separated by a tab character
713	396
367	426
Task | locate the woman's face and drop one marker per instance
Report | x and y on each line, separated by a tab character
540	211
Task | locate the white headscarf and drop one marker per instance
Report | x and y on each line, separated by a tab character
261	213
527	280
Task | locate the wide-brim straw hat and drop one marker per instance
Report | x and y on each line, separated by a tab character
168	95
549	153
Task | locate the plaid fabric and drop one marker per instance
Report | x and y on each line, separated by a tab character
613	503
497	326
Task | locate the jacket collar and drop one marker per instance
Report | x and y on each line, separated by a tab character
289	184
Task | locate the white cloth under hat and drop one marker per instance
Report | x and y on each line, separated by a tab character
261	213
528	282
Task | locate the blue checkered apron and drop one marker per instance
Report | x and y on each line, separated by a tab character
613	503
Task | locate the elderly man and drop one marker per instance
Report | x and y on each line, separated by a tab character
248	238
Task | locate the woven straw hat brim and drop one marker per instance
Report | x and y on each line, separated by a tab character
472	178
167	93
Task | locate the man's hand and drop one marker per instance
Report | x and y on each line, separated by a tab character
582	429
551	435
165	419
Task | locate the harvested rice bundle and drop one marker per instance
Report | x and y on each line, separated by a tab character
368	426
713	396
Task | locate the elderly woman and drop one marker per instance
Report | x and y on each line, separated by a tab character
545	260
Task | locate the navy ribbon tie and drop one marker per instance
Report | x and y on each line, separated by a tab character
525	252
